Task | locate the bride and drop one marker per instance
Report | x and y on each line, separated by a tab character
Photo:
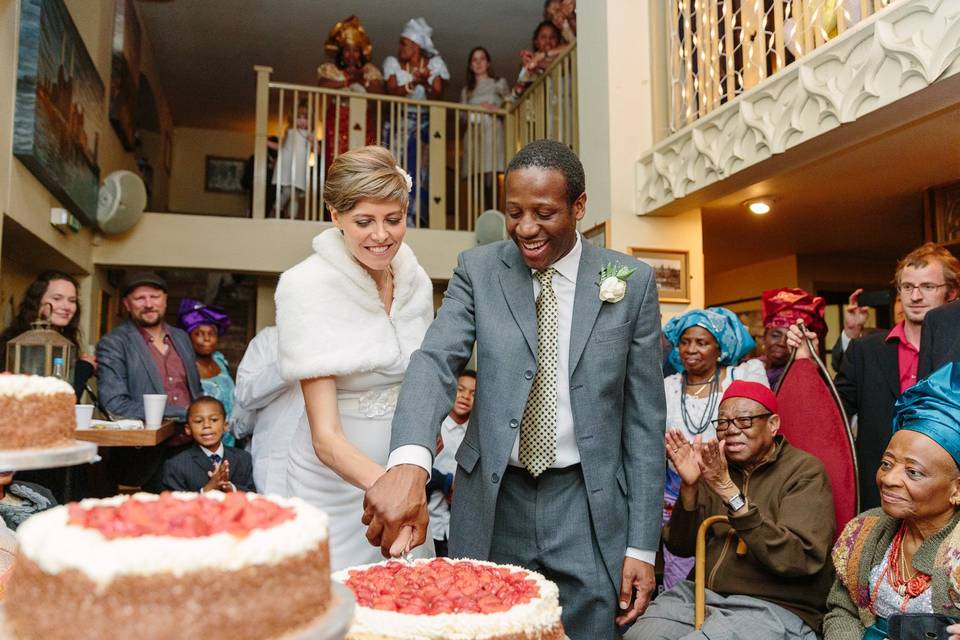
348	318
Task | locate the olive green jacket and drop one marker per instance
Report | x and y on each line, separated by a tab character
861	547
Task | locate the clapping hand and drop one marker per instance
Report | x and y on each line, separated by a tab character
219	478
684	456
714	470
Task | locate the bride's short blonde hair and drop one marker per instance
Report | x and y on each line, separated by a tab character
365	173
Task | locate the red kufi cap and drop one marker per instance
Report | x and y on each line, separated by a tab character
754	391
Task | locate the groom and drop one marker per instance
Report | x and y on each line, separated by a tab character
561	469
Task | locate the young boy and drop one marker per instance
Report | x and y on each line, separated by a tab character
208	465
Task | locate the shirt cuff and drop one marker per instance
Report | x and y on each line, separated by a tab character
412	454
650	557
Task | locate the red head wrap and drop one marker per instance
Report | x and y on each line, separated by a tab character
783	307
754	391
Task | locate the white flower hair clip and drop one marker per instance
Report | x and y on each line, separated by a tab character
406	177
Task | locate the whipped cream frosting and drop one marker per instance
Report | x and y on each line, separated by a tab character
540	613
55	545
18	386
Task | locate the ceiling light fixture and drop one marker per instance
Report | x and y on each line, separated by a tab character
760	206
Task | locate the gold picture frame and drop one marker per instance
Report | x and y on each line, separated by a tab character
598	235
671	270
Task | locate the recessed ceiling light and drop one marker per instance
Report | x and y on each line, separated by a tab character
760	206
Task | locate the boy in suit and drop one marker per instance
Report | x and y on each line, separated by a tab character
208	465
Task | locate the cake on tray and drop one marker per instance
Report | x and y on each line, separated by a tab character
36	412
451	600
148	567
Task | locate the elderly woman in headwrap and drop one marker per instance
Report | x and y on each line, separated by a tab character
905	556
708	345
781	309
418	72
350	48
206	324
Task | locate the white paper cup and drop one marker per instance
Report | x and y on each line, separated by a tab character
153	406
84	415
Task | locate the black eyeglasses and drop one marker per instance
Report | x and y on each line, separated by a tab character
741	422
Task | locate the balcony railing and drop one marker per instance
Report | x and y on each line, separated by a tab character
721	48
456	153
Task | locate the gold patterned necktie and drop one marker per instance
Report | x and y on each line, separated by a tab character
538	431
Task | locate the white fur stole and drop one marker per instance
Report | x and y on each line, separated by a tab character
331	321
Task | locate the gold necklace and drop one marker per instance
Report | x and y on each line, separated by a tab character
387	279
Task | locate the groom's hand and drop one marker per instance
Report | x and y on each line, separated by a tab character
636	586
396	499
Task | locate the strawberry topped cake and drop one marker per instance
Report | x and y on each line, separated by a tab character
451	599
209	566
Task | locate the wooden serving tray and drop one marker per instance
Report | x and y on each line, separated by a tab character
128	437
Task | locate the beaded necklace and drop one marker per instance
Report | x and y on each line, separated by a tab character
895	573
698	428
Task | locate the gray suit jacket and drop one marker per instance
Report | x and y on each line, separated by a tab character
616	394
126	371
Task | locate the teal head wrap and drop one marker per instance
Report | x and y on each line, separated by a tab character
932	407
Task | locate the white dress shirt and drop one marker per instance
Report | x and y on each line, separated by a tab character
564	287
269	408
452	435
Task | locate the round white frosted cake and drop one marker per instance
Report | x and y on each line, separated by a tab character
207	565
453	600
35	411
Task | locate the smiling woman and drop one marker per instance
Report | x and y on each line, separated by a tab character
348	318
903	557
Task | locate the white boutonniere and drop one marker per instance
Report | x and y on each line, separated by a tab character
613	282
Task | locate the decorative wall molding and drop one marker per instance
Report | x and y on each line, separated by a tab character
897	52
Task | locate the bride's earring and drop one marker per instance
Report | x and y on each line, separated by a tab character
341	230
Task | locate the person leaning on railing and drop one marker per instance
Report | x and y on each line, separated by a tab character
902	557
547	46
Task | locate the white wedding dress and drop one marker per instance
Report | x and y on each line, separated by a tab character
366	402
331	323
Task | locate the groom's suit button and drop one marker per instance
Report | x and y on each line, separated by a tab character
528	374
495	478
514	423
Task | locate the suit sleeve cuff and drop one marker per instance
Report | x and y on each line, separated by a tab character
411	454
650	557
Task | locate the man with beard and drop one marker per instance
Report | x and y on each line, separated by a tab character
145	355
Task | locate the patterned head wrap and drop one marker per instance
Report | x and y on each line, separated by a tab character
419	31
194	313
932	407
732	337
783	307
347	32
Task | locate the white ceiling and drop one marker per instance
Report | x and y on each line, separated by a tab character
206	49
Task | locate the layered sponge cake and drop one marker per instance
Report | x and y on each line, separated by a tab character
148	567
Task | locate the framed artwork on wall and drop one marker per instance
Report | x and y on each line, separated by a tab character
942	209
60	96
125	72
224	175
671	270
598	235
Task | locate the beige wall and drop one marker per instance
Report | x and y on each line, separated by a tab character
747	283
190	150
620	109
266	246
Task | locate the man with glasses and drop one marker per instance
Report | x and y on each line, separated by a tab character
879	367
768	569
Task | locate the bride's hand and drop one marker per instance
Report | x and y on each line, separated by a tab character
401	546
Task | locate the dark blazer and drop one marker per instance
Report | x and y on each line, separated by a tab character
616	394
940	338
187	471
869	384
126	371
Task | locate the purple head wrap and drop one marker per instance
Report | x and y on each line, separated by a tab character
194	313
